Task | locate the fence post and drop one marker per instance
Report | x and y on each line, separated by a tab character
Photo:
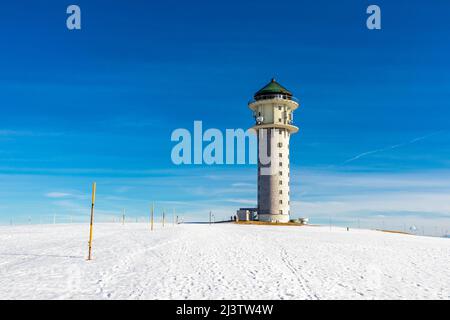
92	220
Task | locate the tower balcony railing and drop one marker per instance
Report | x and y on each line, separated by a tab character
289	122
274	96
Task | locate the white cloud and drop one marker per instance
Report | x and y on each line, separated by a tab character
57	195
425	205
8	133
243	184
420	198
251	202
24	133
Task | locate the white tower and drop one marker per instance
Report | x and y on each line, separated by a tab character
273	108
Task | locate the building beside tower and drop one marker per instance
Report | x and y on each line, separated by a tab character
273	109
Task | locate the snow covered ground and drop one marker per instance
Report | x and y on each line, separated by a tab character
222	261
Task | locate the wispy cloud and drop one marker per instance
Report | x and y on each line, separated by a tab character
380	203
58	195
7	133
243	184
12	133
420	198
76	195
131	123
251	202
395	146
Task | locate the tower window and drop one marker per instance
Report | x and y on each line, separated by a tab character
281	201
281	191
280	155
279	107
279	119
280	144
280	131
281	211
280	182
280	173
281	164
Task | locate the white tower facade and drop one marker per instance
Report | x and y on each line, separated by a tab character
273	108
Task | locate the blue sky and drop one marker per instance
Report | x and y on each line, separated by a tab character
101	103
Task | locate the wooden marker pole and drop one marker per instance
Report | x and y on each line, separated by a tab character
92	220
210	218
151	216
123	216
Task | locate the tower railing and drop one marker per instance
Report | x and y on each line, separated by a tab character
274	96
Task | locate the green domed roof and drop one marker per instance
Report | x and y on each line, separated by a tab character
273	87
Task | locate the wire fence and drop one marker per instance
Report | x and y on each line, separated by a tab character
409	227
363	223
67	219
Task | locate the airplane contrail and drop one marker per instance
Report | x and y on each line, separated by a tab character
395	146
